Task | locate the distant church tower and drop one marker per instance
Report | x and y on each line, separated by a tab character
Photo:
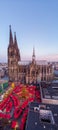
13	57
33	56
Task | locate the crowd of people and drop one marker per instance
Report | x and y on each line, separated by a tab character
15	106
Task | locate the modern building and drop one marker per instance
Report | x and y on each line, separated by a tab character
49	93
3	70
26	71
42	117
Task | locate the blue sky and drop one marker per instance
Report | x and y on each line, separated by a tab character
35	23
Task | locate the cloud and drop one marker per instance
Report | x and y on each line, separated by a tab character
50	57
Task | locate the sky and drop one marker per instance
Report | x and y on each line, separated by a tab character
36	25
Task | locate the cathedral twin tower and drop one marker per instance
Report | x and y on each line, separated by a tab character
13	56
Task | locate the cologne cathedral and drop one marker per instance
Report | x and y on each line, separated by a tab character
26	71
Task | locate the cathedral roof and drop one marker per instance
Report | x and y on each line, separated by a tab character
41	62
24	62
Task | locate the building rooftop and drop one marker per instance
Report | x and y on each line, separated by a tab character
42	62
50	92
24	62
42	116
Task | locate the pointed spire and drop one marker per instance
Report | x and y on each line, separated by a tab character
16	46
15	40
10	37
33	51
33	56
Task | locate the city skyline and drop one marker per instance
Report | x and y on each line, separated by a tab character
35	24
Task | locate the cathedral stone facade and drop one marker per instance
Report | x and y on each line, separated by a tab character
26	71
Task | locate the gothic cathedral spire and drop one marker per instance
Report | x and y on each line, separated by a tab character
16	47
15	41
33	56
10	37
33	51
